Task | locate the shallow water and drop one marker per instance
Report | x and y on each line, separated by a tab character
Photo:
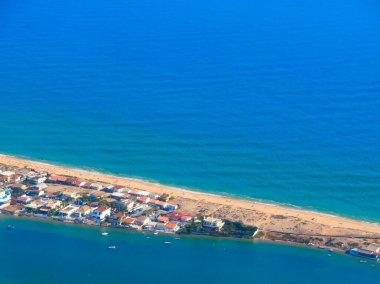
59	253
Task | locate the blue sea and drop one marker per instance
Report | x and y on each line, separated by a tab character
271	100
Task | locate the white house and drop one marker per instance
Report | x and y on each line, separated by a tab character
66	212
101	213
96	186
83	212
213	223
37	179
5	196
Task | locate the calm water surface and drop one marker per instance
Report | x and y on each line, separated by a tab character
58	253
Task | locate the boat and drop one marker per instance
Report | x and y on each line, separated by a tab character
104	234
167	243
11	227
148	237
177	238
155	233
111	247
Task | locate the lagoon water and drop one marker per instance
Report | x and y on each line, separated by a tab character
58	253
273	100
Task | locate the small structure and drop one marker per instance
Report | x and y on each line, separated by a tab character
142	220
171	207
24	199
66	212
37	180
33	208
101	213
371	251
57	179
213	223
143	199
172	227
40	186
5	196
11	209
127	221
96	186
163	219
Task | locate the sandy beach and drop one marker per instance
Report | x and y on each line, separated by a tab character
267	217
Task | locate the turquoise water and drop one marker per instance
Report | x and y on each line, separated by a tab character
58	253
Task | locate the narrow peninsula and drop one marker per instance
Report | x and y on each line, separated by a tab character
33	189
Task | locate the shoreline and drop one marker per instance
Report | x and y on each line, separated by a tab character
171	235
277	223
95	172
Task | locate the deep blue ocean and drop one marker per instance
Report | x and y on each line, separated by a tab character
272	100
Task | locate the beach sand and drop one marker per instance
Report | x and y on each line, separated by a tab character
268	217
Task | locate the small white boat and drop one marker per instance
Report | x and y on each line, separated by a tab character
111	247
155	233
167	243
329	255
148	237
105	234
177	238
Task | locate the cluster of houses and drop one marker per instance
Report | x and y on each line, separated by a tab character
27	194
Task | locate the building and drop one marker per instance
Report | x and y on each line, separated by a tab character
116	218
24	199
34	207
127	221
371	251
67	212
171	207
57	179
213	223
163	219
157	203
40	186
37	180
53	204
138	193
142	220
83	212
172	227
5	196
96	186
180	217
11	209
101	213
143	199
119	195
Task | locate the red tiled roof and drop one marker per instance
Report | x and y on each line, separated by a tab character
128	220
163	219
171	225
102	208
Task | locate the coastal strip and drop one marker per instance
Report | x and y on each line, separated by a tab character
274	222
